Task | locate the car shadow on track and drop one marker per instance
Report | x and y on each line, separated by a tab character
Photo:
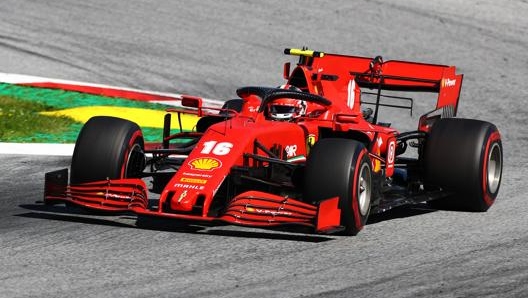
128	220
400	212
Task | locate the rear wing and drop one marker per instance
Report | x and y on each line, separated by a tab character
374	73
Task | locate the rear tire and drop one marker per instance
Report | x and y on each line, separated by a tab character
341	167
107	148
464	156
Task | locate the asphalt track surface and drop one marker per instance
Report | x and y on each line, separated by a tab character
210	48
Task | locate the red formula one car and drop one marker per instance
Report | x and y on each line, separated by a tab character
311	152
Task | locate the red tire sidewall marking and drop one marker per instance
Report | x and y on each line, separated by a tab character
133	139
355	199
494	137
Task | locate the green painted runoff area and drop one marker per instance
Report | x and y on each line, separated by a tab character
21	121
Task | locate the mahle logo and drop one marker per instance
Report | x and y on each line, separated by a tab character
205	164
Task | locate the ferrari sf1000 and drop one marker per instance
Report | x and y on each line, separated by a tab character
312	152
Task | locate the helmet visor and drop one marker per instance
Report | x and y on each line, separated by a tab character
278	109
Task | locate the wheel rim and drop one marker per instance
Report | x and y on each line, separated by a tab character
364	189
494	169
135	161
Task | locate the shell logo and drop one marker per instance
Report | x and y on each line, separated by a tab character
205	163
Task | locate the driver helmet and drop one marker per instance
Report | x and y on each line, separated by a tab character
287	109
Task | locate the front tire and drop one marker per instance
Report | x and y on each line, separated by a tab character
107	148
342	168
464	156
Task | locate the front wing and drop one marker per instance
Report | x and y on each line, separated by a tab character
251	208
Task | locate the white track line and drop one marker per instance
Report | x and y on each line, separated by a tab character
37	149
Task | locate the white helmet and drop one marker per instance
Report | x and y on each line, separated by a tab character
287	109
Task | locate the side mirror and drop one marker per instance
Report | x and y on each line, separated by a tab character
286	70
346	118
189	101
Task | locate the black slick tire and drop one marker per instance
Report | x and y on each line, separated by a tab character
107	148
464	157
342	168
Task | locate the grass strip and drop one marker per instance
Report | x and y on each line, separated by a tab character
21	121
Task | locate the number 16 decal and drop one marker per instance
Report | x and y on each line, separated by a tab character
216	148
391	153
